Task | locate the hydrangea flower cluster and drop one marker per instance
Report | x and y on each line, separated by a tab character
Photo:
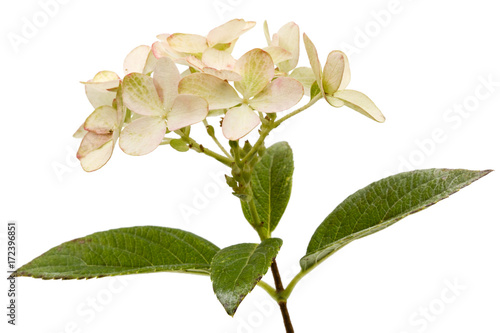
154	100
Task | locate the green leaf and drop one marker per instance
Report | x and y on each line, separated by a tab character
124	251
271	185
237	269
382	204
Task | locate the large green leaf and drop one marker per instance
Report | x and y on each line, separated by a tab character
271	185
124	251
238	268
380	205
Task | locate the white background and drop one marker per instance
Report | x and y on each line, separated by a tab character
426	58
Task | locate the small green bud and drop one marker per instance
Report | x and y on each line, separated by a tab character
179	145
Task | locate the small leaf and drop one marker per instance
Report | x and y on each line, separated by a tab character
382	204
237	269
272	185
124	251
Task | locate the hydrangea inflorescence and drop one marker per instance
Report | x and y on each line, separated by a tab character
154	99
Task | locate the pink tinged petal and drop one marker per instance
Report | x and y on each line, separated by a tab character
289	39
336	74
162	36
218	93
104	120
239	121
187	43
95	150
228	32
312	53
223	74
143	135
218	59
305	76
257	69
186	110
162	49
195	63
361	103
140	95
151	62
80	132
166	78
281	94
135	61
278	54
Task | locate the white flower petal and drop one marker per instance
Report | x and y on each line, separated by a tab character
239	121
256	68
278	54
100	90
135	61
305	76
266	33
95	150
312	53
218	59
187	43
281	94
289	39
166	78
361	103
80	132
186	110
143	135
140	95
104	120
218	93
162	49
228	32
223	74
336	74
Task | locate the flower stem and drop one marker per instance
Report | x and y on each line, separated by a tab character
217	142
299	110
281	301
200	149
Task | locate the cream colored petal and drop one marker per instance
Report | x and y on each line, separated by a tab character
95	150
151	62
143	135
80	132
312	53
289	39
135	62
336	74
166	78
162	49
278	54
256	68
104	120
228	32
281	94
195	63
218	59
361	103
223	74
187	43
305	76
140	95
100	90
218	93
266	34
186	110
239	121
